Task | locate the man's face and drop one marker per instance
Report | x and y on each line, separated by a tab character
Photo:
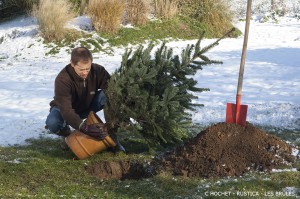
82	68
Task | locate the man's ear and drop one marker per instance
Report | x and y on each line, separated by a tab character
73	65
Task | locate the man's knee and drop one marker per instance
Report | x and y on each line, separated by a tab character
54	121
53	124
99	101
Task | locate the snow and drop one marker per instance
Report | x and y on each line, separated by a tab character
284	170
271	86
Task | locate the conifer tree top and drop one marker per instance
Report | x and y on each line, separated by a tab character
157	91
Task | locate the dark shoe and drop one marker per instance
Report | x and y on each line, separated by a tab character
119	147
65	131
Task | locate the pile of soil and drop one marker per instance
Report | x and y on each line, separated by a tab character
228	150
220	150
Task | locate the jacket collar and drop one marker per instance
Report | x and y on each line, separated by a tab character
74	75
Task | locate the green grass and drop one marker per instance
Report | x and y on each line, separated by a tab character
155	30
40	169
177	28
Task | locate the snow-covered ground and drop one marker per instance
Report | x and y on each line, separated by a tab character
271	85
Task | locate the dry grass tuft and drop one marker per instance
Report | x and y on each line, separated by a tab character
137	12
106	15
52	18
215	14
166	9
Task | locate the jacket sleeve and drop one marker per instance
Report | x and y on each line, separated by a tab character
63	99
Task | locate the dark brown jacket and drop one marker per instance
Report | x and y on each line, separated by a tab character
73	95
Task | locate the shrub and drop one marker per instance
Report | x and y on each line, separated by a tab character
52	18
166	9
215	14
137	12
9	8
106	15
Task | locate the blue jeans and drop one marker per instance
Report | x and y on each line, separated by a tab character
55	121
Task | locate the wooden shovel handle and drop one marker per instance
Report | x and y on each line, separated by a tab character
242	66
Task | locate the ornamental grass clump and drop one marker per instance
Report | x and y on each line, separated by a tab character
106	15
137	12
52	16
214	14
166	9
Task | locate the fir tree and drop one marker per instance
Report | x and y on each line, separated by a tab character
151	95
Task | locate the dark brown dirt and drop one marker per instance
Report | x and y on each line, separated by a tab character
220	150
125	169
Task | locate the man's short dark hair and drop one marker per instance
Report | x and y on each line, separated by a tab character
81	54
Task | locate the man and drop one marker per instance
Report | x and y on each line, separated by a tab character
79	89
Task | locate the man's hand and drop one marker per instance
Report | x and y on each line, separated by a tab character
97	131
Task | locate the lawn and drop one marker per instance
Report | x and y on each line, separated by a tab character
41	169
